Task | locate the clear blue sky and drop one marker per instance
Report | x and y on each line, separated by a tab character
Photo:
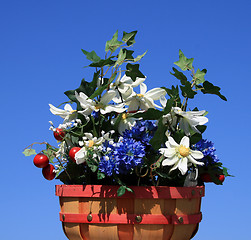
40	58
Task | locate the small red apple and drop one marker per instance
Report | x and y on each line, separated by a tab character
221	178
41	160
48	172
72	153
59	134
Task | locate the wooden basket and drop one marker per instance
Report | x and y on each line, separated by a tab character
93	212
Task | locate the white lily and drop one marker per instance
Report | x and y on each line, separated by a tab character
180	155
68	114
127	121
89	105
144	99
188	120
124	87
91	143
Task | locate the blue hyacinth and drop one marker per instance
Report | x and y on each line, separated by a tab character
207	148
121	157
142	131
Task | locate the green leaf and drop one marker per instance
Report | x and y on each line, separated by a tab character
168	107
129	54
173	93
128	38
50	154
187	90
199	76
121	191
113	44
121	58
179	75
159	137
29	152
209	88
139	57
91	56
133	71
92	165
100	175
184	63
195	138
103	62
100	90
150	114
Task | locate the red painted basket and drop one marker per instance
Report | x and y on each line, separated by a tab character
93	212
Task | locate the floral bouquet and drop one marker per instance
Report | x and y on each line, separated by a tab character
117	132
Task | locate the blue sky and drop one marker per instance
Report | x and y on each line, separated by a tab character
40	58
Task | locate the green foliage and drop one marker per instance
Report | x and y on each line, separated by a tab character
187	90
184	63
211	89
179	75
129	38
199	76
113	44
92	56
150	114
29	151
133	71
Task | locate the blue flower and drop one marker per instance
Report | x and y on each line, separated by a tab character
207	148
142	131
122	157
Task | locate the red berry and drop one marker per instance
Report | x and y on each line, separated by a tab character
221	178
59	134
48	172
205	177
72	153
41	160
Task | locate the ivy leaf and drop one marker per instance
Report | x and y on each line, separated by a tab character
85	87
133	71
168	106
102	88
179	75
128	38
150	114
129	54
199	76
29	152
100	175
173	93
103	62
184	63
113	44
159	138
209	88
195	138
91	56
121	191
187	90
121	58
139	57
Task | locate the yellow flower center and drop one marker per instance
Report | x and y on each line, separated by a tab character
73	111
124	116
140	95
184	151
91	143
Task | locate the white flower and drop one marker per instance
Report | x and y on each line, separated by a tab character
91	143
89	105
127	121
144	99
68	114
124	87
188	120
180	155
